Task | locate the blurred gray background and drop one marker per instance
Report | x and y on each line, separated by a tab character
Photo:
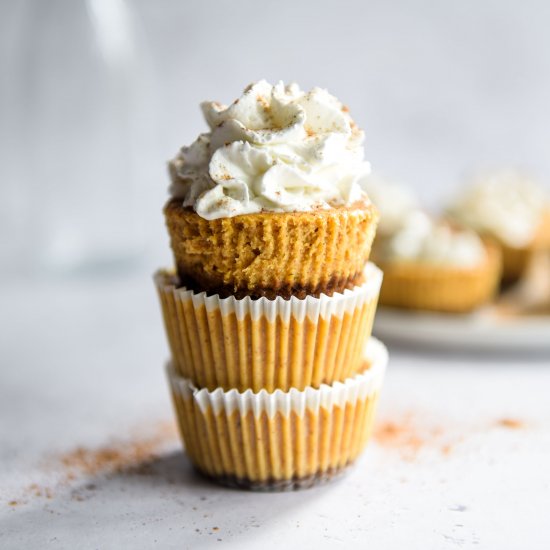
96	95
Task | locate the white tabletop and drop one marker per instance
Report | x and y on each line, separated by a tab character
460	458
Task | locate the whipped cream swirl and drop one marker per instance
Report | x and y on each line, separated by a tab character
506	204
276	149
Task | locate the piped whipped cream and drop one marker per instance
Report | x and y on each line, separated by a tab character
506	205
276	148
393	201
421	239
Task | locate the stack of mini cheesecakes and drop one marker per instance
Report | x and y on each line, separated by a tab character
268	314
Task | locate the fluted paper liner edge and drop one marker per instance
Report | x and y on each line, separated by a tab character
260	440
267	344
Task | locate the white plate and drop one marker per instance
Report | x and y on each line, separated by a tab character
483	330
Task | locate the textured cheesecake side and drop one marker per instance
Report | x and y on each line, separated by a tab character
270	253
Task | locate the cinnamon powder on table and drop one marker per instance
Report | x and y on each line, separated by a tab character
510	423
406	437
119	456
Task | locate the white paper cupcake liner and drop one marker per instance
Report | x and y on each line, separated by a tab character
267	344
282	439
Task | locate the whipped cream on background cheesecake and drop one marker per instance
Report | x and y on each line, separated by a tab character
507	205
406	233
422	239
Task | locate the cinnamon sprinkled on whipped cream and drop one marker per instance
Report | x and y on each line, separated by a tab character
276	148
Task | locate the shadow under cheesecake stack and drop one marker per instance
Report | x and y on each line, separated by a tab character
269	310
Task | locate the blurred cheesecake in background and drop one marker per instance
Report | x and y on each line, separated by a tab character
510	208
429	264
